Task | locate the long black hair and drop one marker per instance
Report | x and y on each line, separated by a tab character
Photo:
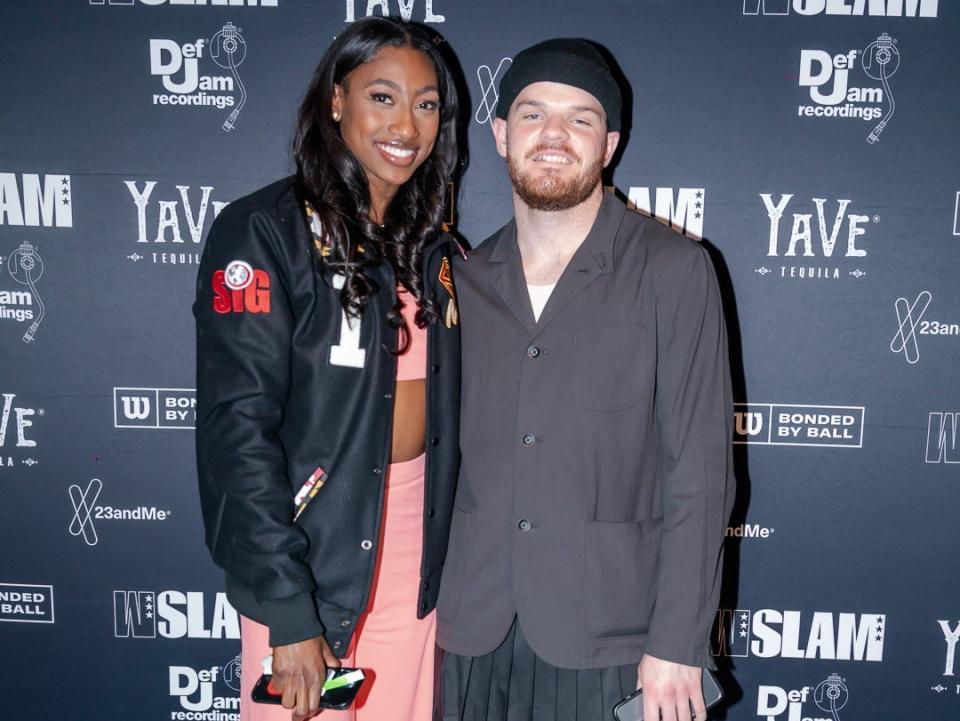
334	183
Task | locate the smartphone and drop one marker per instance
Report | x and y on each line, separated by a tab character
339	689
631	708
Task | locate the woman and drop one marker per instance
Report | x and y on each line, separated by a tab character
327	356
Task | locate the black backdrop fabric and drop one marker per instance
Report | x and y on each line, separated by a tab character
812	145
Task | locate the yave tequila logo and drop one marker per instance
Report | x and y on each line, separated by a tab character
681	209
195	3
17	444
819	237
951	637
404	8
33	200
178	218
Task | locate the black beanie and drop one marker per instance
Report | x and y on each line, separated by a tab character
570	61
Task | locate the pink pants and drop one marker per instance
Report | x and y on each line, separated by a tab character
395	649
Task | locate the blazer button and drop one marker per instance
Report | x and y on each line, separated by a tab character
533	351
528	439
524	525
366	544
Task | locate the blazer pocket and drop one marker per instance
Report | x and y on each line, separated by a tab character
613	365
620	575
454	573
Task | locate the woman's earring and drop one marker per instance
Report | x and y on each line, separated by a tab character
336	116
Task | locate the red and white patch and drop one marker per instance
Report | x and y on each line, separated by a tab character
238	274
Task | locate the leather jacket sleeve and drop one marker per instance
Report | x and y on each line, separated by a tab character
244	324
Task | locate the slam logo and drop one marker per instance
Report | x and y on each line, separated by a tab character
173	614
36	201
775	424
770	633
17	445
26	603
178	67
943	437
832	96
154	407
951	635
830	696
206	693
403	8
873	8
681	208
176	218
826	240
87	512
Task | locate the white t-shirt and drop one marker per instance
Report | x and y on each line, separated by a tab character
539	295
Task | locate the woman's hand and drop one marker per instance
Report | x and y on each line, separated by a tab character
299	670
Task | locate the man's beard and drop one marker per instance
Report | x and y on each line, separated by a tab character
547	191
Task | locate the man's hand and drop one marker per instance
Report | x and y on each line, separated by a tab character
299	670
670	689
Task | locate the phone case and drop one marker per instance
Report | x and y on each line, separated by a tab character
631	708
339	690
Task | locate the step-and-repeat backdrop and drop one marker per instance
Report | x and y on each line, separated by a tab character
811	144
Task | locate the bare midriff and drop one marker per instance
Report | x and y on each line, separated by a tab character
409	420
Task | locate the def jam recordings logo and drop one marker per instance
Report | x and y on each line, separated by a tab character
769	633
36	201
26	603
681	209
154	407
912	323
16	422
178	67
943	434
176	221
951	635
798	425
404	7
87	512
173	614
207	694
819	243
832	96
21	303
829	696
875	8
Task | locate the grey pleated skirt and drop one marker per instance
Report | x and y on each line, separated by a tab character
511	683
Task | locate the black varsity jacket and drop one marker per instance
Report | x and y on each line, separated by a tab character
286	387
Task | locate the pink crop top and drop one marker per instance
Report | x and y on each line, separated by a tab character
412	363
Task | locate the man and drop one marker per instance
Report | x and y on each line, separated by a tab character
596	481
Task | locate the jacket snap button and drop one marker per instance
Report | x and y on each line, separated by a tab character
524	525
337	644
345	622
529	439
432	512
436	367
366	544
377	470
434	441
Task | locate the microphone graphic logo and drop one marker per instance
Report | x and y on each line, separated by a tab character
26	267
228	49
880	61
